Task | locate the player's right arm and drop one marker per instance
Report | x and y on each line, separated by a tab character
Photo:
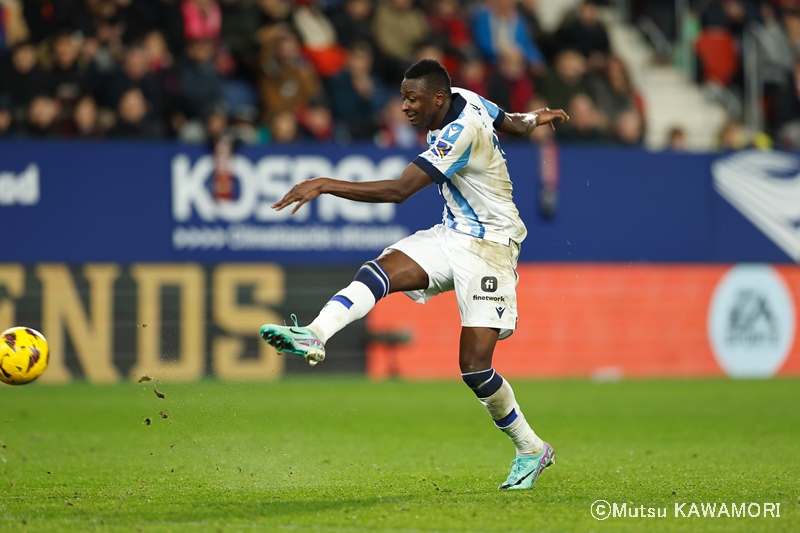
412	180
523	124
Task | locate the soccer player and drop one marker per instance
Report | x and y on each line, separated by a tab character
474	250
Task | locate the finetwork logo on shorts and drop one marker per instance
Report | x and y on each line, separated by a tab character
479	297
489	284
751	321
764	187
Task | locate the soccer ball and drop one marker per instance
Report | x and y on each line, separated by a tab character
23	355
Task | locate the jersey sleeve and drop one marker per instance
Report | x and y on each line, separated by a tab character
497	114
449	153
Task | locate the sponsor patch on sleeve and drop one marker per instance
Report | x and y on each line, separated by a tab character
440	149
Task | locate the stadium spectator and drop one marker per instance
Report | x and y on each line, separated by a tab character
315	122
510	86
138	18
272	12
451	32
68	77
133	73
352	20
356	95
583	31
283	128
200	82
45	18
159	57
529	9
243	125
395	129
318	38
168	19
7	126
584	126
498	25
13	28
216	124
84	122
42	117
731	136
240	23
133	121
612	91
628	128
285	81
676	139
202	19
398	28
791	27
561	84
24	78
778	54
187	57
474	76
105	49
429	50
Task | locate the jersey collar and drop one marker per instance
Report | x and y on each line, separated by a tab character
457	105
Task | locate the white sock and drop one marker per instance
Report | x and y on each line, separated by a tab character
526	441
336	314
497	396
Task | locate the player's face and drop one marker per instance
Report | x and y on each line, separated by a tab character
419	105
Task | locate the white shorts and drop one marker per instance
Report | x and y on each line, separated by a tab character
483	274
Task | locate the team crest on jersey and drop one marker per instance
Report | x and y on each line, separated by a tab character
441	149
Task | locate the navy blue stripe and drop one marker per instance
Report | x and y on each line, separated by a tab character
457	105
382	273
491	387
434	173
474	379
369	278
344	300
506	420
501	116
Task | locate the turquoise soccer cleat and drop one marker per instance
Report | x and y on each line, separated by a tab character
525	470
296	340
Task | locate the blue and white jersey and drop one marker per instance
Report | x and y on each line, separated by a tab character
466	161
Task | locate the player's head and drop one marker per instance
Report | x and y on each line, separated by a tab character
426	93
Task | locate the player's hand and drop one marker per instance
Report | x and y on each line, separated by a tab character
547	116
301	193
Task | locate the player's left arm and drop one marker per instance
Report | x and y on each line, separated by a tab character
523	124
411	181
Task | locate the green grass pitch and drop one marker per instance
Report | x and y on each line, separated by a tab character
344	454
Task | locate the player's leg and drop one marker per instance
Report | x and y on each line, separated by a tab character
393	271
497	396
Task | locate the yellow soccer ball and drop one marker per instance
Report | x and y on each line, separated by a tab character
23	355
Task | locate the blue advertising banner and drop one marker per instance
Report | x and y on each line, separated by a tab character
83	202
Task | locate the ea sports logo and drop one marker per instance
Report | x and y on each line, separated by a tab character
751	321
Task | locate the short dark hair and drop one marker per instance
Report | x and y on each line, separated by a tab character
433	74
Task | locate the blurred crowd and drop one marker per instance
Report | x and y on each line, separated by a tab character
716	32
281	71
